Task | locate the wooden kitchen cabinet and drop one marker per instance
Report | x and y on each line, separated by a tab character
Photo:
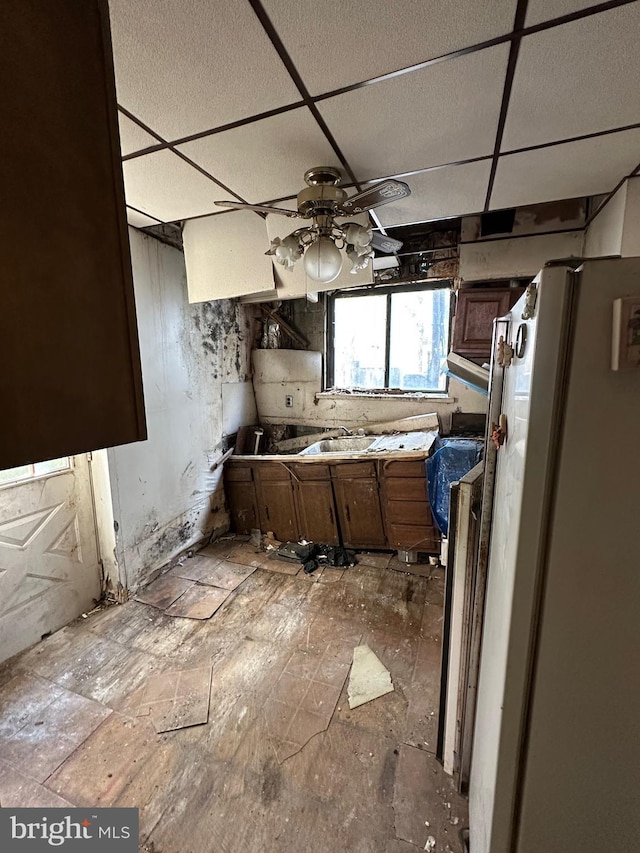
476	309
317	519
71	378
241	498
355	486
276	501
405	506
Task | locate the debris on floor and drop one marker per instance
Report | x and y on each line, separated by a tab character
369	678
177	700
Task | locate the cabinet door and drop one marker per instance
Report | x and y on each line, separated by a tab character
405	506
358	505
242	506
476	310
71	379
277	510
316	512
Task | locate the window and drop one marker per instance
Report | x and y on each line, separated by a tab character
30	472
389	338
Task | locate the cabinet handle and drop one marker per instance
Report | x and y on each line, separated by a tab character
347	513
331	515
266	510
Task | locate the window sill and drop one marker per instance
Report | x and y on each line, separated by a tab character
343	393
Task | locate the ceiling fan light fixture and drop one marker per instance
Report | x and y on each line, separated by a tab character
323	260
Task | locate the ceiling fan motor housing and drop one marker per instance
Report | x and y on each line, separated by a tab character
320	199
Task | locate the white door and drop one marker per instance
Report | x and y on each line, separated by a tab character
49	570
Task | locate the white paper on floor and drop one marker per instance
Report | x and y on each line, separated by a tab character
369	678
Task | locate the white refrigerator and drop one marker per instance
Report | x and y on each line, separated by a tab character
555	764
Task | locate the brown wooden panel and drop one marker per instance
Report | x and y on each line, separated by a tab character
271	471
405	488
358	505
354	469
408	512
243	510
475	312
310	471
237	472
316	512
413	538
277	510
71	378
404	468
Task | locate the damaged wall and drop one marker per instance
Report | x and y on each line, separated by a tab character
197	388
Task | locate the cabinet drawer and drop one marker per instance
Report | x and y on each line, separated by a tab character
413	538
238	473
310	471
404	468
269	471
351	470
405	489
409	512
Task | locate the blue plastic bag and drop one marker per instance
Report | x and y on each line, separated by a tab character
451	461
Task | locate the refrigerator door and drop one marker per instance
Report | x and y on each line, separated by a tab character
531	406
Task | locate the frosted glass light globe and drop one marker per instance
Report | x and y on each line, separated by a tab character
323	260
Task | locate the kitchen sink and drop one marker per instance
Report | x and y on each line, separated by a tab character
344	444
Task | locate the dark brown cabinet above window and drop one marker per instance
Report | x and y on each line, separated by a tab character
476	309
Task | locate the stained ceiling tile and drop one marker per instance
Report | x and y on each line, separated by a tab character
334	44
430	117
440	194
132	136
266	159
166	187
546	10
184	66
582	168
576	79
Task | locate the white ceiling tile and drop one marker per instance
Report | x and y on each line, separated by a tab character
430	117
440	194
165	186
184	66
583	168
334	44
265	159
139	220
576	79
132	136
546	10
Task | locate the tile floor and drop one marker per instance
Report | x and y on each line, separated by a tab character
282	763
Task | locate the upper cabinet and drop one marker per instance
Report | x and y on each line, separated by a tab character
476	309
71	378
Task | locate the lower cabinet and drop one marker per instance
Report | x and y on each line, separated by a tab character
276	501
358	503
241	497
408	521
313	491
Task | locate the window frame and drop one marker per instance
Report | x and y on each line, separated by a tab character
388	291
33	477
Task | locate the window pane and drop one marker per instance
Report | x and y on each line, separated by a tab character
419	340
40	469
359	348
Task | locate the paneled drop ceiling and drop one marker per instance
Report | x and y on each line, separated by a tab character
477	105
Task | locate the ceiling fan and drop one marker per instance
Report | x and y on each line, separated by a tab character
322	201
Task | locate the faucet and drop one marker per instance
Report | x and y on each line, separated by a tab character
346	431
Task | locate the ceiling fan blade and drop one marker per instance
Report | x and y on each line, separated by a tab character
260	208
374	196
382	243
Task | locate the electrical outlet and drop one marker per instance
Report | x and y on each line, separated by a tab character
288	401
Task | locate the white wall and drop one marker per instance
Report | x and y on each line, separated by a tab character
615	229
297	373
195	366
519	256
